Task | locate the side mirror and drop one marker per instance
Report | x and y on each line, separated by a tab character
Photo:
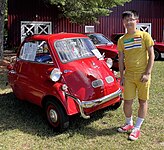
109	62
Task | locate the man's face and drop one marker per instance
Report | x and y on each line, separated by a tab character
130	22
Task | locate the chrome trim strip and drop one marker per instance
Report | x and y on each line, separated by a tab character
93	103
12	72
80	107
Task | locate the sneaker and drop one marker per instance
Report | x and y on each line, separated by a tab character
134	135
125	128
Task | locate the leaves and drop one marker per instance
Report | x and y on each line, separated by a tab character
82	11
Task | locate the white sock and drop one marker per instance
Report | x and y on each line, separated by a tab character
129	120
139	122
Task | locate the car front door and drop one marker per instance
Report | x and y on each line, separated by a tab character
33	63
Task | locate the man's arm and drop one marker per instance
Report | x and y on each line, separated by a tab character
149	67
121	66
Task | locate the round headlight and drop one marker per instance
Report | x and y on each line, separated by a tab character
109	62
55	74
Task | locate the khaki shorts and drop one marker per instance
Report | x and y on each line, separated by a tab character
133	86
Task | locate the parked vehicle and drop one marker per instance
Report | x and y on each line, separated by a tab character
159	50
158	46
64	74
106	47
115	37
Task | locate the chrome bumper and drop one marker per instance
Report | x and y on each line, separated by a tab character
93	103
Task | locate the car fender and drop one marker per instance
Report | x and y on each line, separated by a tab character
59	95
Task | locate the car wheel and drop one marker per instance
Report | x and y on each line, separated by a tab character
156	53
115	106
56	116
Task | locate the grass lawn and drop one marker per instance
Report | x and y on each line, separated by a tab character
22	126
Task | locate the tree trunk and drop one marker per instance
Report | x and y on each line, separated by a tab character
2	13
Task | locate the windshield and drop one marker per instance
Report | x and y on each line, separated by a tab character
99	39
72	49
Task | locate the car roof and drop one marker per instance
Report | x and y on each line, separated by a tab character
56	36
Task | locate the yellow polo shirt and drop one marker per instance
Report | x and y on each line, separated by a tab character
135	48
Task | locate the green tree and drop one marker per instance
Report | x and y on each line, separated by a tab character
82	11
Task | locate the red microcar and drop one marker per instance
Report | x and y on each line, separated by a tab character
64	74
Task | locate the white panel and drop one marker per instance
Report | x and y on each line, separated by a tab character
35	27
89	29
144	27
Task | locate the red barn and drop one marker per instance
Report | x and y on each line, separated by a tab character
35	17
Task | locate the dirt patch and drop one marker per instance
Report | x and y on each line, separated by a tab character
3	65
4	87
8	56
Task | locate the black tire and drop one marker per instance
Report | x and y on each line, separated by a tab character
157	55
56	116
115	106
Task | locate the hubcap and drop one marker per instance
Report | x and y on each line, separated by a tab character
156	54
53	116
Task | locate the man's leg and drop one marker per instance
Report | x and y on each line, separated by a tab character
142	111
129	95
127	107
143	106
143	96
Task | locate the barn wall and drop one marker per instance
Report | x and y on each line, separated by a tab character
151	11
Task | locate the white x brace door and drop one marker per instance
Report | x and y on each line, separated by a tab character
144	27
35	27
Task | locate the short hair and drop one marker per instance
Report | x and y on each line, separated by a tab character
130	13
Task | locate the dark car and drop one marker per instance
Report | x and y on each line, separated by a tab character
106	47
115	37
159	50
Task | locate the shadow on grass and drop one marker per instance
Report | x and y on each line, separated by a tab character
80	125
28	118
3	80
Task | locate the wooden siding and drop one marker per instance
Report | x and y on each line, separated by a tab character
151	11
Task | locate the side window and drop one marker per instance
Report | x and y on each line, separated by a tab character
94	39
28	51
36	51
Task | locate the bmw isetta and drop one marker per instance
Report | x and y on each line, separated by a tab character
64	74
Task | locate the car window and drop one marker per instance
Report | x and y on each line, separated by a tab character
36	51
28	51
72	49
99	39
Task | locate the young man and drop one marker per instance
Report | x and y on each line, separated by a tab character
136	56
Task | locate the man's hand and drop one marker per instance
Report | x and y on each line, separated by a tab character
122	81
145	77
